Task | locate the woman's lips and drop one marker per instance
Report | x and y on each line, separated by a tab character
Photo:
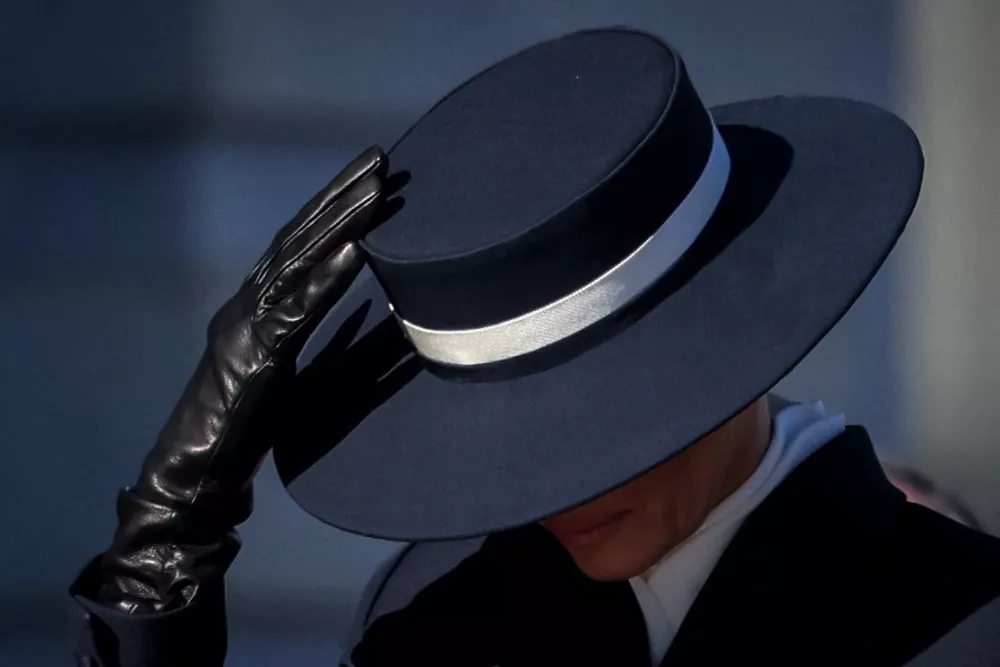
578	535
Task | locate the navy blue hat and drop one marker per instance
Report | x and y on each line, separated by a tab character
589	272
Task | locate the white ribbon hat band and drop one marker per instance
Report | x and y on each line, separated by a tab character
595	301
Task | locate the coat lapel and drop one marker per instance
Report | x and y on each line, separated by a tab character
791	586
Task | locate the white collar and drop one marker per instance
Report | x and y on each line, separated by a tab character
668	589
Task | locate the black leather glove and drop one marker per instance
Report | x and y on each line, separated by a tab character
176	533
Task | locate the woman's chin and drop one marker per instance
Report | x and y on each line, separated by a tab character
615	559
613	566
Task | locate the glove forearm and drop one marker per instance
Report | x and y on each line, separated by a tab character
176	534
194	635
162	557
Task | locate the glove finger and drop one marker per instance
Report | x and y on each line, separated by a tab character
328	281
326	285
347	220
291	322
371	161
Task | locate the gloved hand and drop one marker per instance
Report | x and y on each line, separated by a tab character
176	530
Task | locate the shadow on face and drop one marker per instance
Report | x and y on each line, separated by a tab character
628	530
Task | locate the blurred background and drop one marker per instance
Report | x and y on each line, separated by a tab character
148	152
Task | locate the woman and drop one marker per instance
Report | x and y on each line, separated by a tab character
598	281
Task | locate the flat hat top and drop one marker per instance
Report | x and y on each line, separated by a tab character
522	140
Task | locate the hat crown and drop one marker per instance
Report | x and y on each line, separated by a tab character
493	159
537	176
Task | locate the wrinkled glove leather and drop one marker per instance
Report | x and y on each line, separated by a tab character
176	532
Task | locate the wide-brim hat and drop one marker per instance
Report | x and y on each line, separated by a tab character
589	272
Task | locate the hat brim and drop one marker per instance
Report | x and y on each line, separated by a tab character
404	454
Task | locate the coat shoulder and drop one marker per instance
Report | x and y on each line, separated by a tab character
941	583
974	642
